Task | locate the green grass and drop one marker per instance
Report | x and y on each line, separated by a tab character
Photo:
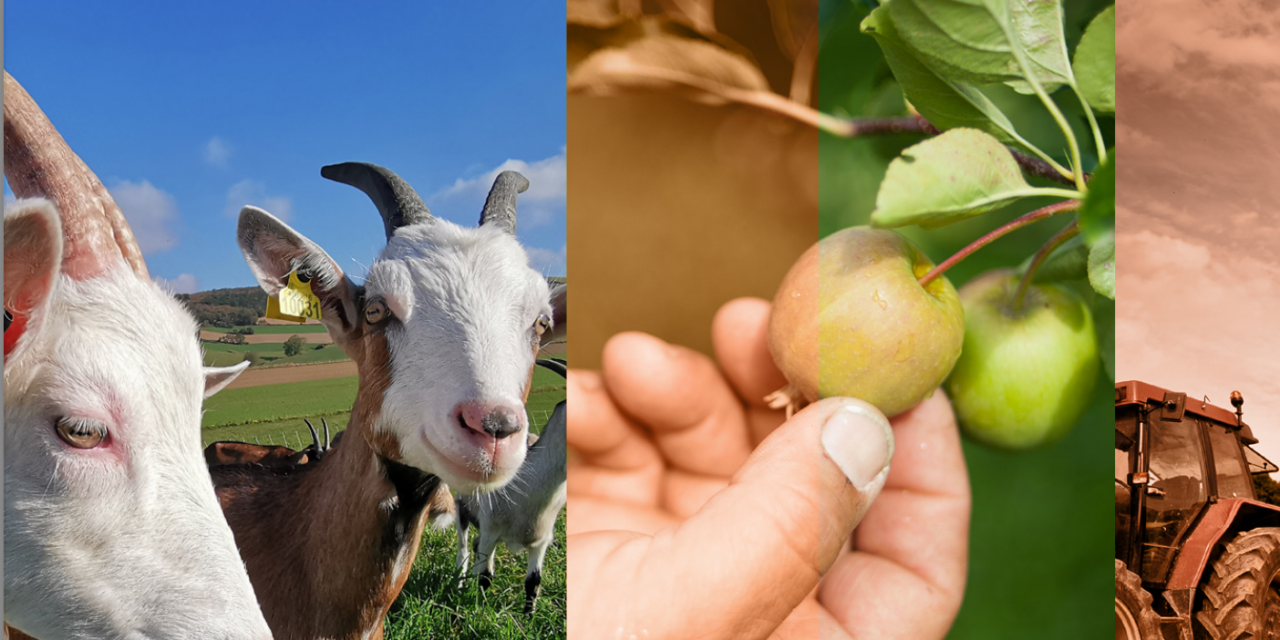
431	605
270	328
270	411
278	402
217	354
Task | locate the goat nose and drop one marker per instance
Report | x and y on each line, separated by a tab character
498	421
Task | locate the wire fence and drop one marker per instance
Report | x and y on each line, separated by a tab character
300	438
296	439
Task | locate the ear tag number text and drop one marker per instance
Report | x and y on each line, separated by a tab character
296	302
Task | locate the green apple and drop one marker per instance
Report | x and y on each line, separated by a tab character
1026	373
851	319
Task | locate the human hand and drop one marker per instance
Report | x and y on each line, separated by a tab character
694	512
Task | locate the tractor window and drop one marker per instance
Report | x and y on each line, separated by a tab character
1124	497
1175	493
1228	462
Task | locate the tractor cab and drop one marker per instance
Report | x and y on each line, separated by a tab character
1183	490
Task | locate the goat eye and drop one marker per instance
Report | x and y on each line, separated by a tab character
542	324
376	311
81	433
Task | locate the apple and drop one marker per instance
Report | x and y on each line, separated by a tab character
1026	373
851	319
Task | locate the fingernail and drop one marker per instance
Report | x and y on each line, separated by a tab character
859	441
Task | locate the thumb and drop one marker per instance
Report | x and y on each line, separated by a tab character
765	540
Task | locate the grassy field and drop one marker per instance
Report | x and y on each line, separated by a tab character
274	328
217	354
431	605
274	413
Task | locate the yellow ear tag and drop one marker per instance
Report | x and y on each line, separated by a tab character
295	302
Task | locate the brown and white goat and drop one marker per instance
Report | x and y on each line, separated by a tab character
444	333
225	452
111	529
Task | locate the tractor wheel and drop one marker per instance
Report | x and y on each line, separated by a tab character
1242	598
1135	619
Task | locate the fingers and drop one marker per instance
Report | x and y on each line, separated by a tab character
911	548
589	513
616	460
765	540
695	418
740	335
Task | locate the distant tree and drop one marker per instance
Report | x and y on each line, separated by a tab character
319	347
1268	489
252	358
293	346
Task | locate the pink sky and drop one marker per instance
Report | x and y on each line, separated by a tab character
1198	202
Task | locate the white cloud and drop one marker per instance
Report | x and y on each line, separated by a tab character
541	204
217	152
184	283
251	192
150	213
549	262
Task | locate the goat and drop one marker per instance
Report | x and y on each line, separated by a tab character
111	528
444	333
230	452
520	515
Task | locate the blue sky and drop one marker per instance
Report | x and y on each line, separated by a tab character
189	111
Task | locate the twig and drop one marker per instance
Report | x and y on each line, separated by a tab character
1056	241
1012	225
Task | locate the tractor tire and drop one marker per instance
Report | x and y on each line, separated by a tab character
1135	619
1241	600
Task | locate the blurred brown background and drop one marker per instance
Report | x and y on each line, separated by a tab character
676	208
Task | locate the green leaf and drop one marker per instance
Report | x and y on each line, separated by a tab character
945	104
1102	266
1098	213
1095	63
979	41
1104	324
957	175
1068	262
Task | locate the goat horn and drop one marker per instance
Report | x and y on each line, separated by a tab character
38	163
327	442
315	437
398	203
500	207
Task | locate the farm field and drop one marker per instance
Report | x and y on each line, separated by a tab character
286	330
259	376
271	338
274	412
217	354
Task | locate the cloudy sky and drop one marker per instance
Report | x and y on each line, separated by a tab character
189	111
1198	225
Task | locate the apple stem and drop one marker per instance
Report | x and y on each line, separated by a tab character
1056	241
1012	225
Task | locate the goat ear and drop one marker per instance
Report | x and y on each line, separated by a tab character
32	257
273	250
559	315
217	378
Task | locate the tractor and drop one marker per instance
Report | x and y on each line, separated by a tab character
1197	554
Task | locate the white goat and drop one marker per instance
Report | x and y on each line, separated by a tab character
520	515
444	334
111	528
